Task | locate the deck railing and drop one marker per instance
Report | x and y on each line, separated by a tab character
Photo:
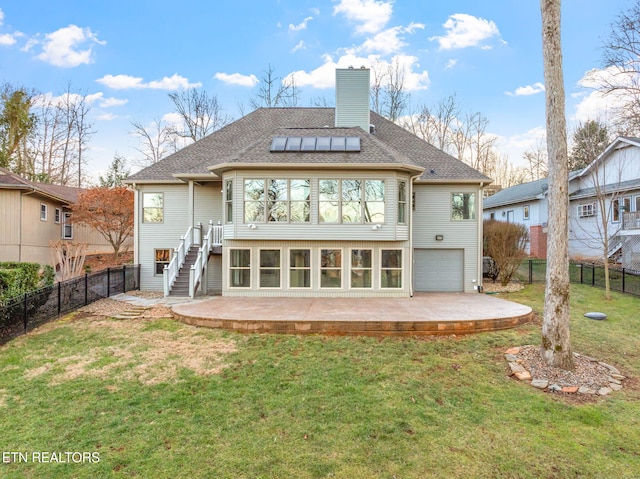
191	237
631	220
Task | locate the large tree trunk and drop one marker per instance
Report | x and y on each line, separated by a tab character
556	340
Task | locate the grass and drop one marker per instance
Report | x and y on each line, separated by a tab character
160	399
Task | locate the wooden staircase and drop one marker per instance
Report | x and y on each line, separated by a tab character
181	285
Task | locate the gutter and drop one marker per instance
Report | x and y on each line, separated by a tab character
411	259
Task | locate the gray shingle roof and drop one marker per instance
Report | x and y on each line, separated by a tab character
517	194
248	140
64	194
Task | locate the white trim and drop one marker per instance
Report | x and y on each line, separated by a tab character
371	269
231	268
44	212
259	269
57	216
320	269
401	269
161	193
67	216
309	268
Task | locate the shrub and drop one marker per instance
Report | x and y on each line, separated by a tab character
20	278
506	243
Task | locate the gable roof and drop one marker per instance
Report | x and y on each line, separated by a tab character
62	194
517	194
247	141
618	143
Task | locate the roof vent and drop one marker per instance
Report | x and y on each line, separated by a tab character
372	128
433	172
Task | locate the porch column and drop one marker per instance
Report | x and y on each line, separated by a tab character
191	203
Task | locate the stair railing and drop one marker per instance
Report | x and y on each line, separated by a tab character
191	237
199	267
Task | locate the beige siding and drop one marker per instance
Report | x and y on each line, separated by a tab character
9	217
315	290
389	231
432	216
167	234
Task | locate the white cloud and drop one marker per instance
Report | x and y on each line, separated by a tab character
237	79
106	117
1	17
324	75
465	30
300	26
62	48
6	39
370	15
387	41
527	90
450	64
315	11
125	82
300	46
109	102
596	105
66	98
516	145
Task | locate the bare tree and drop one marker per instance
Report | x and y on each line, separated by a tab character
622	60
537	161
274	91
155	140
17	124
388	93
556	338
201	114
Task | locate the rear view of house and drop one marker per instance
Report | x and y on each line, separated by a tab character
310	202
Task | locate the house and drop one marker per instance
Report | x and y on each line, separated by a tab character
310	202
34	215
607	190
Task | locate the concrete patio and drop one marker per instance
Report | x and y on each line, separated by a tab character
424	314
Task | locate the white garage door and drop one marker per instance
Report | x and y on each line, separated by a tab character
439	270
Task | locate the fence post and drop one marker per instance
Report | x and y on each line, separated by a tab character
593	274
59	297
623	272
108	282
86	288
581	273
25	318
124	279
530	271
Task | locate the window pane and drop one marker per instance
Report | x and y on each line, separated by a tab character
300	258
253	211
300	212
152	207
270	258
374	212
351	190
254	190
331	258
391	278
374	190
391	258
300	268
463	206
240	258
300	190
300	278
361	258
278	211
328	190
229	190
240	278
360	278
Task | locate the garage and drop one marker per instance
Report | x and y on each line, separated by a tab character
439	270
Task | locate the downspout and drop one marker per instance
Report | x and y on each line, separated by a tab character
191	208
136	225
410	204
480	239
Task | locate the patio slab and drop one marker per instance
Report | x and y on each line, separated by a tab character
424	314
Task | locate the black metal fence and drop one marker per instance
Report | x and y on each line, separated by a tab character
28	311
620	279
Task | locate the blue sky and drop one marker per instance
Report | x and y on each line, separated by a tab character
129	55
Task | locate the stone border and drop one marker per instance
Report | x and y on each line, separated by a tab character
615	377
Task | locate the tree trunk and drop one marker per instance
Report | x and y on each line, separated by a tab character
556	341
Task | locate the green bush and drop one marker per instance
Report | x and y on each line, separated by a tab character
19	278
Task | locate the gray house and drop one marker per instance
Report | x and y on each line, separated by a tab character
310	202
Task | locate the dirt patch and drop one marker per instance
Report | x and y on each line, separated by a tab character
137	353
511	287
98	262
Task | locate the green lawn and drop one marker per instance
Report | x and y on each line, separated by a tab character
158	399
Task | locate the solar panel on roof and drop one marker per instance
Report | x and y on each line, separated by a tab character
353	143
338	143
293	143
308	143
315	143
323	143
278	143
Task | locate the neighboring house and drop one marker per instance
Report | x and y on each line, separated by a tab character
310	202
613	177
34	215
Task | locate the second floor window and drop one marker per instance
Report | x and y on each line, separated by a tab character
277	200
228	200
351	201
152	208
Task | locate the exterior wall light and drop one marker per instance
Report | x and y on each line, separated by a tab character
439	237
252	226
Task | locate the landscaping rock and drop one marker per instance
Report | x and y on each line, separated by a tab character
523	375
604	391
619	377
516	368
540	383
515	350
615	387
609	367
555	387
512	358
570	389
595	315
585	390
